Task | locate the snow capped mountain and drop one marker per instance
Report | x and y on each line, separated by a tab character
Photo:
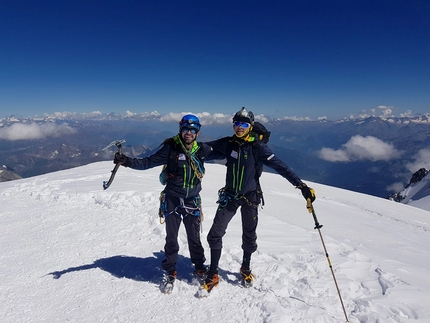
73	252
417	192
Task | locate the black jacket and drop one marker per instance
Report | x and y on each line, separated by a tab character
184	182
241	175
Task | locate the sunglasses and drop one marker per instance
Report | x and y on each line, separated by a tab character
244	125
192	130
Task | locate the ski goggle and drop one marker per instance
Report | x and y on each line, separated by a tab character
244	125
192	130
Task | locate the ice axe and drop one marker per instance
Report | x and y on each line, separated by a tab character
318	227
117	143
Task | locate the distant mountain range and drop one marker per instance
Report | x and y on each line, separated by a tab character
372	155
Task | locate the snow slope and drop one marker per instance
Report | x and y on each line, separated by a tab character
72	252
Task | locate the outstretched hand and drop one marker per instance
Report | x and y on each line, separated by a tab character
307	192
120	159
309	195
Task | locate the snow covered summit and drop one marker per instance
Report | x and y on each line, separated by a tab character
73	252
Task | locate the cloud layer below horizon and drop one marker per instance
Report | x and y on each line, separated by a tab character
23	131
361	148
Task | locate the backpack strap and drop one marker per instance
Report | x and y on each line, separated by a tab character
174	148
170	167
258	168
173	155
200	153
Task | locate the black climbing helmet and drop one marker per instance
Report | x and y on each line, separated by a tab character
244	115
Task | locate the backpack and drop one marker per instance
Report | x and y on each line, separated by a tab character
260	130
169	169
263	135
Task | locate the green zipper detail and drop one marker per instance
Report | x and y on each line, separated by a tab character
188	182
238	173
241	178
234	176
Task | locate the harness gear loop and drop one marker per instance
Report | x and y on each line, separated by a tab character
224	197
187	210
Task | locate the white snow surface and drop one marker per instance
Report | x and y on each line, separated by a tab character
72	252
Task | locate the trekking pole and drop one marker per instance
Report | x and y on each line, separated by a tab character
117	143
318	227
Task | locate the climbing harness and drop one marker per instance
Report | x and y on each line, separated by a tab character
224	197
181	209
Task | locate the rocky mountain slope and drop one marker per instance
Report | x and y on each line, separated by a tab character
417	192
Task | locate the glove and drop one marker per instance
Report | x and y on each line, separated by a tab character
120	159
307	192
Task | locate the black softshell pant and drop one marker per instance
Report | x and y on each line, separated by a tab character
173	221
249	212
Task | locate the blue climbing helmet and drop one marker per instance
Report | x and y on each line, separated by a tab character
190	121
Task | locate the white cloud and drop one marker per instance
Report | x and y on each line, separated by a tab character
66	114
384	110
207	118
421	160
407	114
294	118
128	113
21	131
334	155
379	111
361	148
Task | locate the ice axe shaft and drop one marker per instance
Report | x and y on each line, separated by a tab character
117	143
318	227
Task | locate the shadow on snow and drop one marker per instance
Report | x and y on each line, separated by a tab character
139	269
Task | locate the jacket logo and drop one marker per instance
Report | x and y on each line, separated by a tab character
234	154
182	157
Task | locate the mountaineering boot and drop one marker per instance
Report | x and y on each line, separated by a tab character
247	277
200	272
211	281
168	282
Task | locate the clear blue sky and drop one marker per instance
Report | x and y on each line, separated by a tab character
294	58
